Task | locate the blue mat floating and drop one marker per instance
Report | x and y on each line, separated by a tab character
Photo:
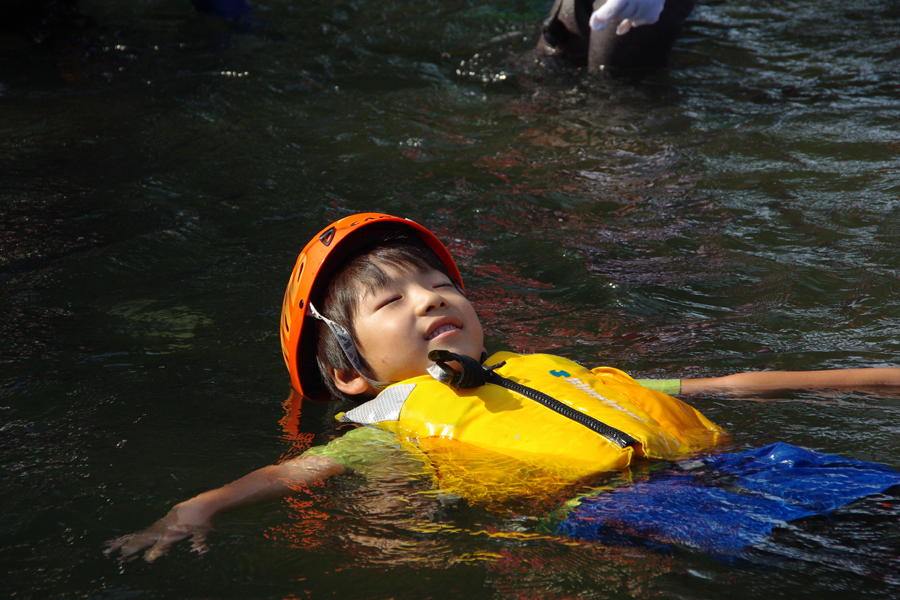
730	501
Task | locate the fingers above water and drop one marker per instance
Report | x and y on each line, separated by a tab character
157	540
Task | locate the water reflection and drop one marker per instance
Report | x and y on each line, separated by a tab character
175	325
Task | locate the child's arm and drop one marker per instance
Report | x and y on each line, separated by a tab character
192	518
762	382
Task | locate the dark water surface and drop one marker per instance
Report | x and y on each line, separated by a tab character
160	171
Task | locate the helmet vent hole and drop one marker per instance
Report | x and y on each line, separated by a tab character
328	236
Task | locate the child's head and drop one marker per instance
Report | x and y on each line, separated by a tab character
368	298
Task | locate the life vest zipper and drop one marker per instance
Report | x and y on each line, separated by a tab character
474	374
616	436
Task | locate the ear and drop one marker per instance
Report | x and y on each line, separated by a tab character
350	382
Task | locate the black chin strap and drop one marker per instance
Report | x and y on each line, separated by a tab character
474	374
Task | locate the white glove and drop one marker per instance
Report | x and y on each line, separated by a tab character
631	13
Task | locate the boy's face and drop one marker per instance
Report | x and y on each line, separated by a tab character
418	311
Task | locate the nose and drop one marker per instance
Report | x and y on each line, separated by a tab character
430	299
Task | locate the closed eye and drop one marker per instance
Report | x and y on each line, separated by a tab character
387	301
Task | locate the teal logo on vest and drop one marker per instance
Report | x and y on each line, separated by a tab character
559	374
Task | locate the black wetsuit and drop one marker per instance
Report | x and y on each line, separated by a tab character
568	36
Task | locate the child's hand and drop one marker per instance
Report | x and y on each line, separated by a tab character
160	536
631	13
192	518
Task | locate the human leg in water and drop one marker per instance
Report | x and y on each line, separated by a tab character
633	44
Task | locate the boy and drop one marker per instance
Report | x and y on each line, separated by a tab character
379	302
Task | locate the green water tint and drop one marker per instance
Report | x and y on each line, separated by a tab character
160	171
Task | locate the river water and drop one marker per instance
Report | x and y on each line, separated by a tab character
161	170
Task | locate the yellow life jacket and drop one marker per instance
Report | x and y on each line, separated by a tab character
428	413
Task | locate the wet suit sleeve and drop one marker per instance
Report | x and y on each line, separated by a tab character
671	387
372	453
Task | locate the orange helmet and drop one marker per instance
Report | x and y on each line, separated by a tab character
319	260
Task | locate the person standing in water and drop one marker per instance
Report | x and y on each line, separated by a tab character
613	36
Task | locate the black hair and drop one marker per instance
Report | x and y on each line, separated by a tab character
364	273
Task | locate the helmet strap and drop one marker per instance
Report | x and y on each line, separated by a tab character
347	345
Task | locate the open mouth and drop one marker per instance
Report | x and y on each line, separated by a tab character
440	330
